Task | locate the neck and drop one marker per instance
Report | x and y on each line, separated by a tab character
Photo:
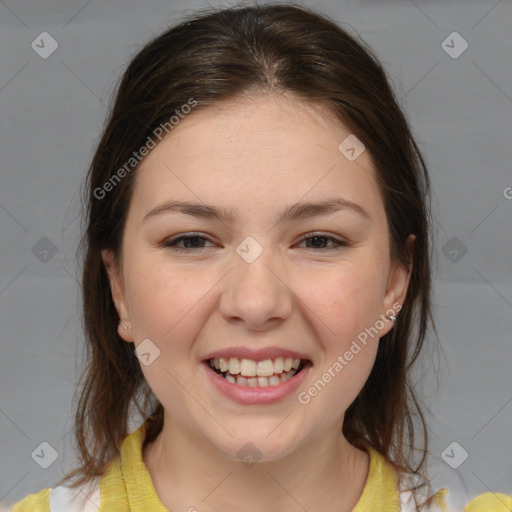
188	473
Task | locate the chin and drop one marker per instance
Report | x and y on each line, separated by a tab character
258	447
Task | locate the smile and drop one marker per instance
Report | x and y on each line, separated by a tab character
250	373
252	382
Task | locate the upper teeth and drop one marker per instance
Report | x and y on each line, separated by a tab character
251	368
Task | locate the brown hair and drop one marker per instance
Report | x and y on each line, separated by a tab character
219	56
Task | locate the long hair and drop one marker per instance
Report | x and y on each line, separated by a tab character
214	56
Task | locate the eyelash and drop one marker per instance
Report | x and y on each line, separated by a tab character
172	243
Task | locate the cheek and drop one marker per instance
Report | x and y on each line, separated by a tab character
162	298
164	305
342	305
343	301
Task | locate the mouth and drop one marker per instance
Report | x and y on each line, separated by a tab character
257	374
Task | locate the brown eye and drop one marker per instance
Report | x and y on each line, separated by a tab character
319	241
189	242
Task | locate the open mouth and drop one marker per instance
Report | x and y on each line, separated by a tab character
249	373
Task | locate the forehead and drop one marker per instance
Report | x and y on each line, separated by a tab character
255	150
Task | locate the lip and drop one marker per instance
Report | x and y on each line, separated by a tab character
255	354
259	395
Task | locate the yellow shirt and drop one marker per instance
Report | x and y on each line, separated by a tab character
127	487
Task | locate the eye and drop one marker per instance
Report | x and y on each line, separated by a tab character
190	242
318	241
194	242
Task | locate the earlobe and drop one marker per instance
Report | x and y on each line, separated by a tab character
117	290
396	291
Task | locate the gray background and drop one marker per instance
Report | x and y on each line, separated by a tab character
51	114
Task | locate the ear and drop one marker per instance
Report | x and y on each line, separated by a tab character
396	288
116	280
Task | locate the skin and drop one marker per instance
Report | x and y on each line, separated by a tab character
255	156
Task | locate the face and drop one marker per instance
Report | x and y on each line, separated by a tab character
255	272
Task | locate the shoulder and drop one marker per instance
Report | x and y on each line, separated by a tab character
495	501
37	502
436	502
441	501
85	498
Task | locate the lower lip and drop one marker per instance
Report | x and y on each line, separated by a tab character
258	395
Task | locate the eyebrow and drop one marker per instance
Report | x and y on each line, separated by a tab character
297	211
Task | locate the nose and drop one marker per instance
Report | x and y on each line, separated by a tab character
256	294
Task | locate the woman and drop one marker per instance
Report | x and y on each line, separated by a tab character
256	279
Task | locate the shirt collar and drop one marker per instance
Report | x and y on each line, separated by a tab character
380	491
